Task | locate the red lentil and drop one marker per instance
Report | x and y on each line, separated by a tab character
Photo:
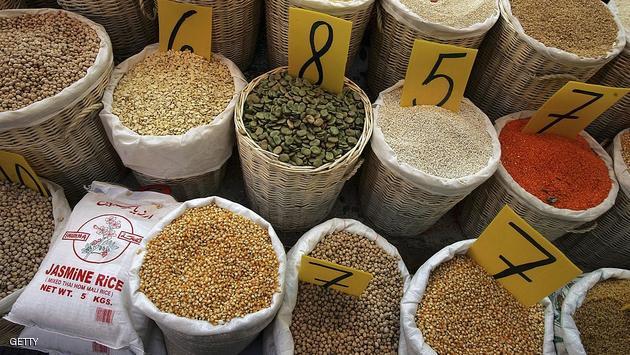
561	172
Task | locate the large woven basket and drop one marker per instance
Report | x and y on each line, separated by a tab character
277	14
514	72
615	74
608	244
235	26
10	4
393	35
69	146
294	198
129	23
485	202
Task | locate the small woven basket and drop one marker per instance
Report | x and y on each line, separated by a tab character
393	35
608	244
485	202
615	74
68	145
294	198
10	4
515	72
130	25
235	26
277	15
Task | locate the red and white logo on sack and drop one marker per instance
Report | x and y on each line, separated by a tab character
102	239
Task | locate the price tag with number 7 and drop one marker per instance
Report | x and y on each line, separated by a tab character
437	75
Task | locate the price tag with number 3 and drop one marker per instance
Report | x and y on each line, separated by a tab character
437	75
185	27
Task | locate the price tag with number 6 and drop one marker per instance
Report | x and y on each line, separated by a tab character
185	27
437	75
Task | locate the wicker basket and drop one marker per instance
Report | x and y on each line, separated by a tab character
235	26
608	245
358	12
514	72
485	202
61	137
10	4
392	38
294	198
128	23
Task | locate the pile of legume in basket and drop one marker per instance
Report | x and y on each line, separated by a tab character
603	325
168	93
326	321
26	227
301	123
559	171
625	147
435	140
583	27
465	311
454	13
40	55
210	264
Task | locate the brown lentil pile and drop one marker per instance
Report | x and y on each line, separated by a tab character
40	55
625	147
604	327
168	93
210	264
465	311
583	27
326	321
26	227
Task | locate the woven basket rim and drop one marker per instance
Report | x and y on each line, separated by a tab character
271	158
534	202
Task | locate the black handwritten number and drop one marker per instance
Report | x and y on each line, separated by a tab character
336	280
318	54
179	23
520	269
18	171
571	115
432	75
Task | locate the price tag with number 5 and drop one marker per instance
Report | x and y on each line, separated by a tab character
185	27
572	108
437	75
14	168
521	259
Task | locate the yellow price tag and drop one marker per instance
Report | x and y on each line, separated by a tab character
521	259
437	74
185	27
626	307
13	167
572	108
318	47
326	274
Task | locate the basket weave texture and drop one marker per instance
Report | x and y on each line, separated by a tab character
511	75
128	27
615	74
391	43
69	147
277	15
294	198
10	4
485	202
235	27
51	4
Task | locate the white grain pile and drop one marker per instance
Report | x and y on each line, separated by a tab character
624	12
435	140
453	13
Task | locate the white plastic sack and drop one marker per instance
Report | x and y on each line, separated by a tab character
333	7
404	15
621	170
557	54
190	336
278	338
574	300
410	333
61	212
434	184
565	214
43	110
80	289
200	150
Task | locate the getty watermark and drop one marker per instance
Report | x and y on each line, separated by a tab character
28	342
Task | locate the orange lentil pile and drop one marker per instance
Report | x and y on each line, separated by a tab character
562	172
